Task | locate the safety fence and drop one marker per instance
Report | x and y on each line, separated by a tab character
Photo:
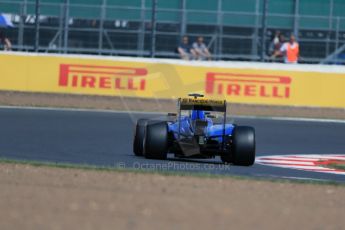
233	29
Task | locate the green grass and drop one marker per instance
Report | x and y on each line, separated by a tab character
164	172
340	166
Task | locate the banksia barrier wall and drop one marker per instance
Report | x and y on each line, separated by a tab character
237	82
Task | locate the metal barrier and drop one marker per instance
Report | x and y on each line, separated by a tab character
143	30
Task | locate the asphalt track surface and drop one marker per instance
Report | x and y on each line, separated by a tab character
105	139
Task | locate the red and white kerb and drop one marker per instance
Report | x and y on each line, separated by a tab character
314	163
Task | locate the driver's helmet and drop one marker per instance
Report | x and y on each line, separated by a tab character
197	115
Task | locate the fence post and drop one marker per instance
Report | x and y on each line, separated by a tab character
153	28
141	38
220	30
296	19
37	25
255	32
61	25
23	7
264	30
337	34
183	19
330	20
101	27
65	34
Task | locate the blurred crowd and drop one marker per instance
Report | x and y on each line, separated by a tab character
282	49
279	49
195	51
5	43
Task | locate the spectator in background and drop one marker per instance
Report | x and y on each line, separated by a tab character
185	49
290	50
275	39
5	43
201	49
276	43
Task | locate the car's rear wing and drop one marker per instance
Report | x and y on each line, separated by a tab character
202	104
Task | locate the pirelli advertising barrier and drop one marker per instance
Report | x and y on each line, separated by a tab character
172	79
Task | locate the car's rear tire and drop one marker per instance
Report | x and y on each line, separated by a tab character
156	141
243	146
139	137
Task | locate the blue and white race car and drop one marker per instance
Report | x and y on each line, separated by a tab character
199	130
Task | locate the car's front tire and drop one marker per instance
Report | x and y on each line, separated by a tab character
139	137
156	141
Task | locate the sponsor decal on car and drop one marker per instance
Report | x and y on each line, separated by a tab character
248	85
102	77
202	101
202	104
326	163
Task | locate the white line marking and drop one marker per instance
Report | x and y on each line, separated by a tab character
219	64
302	119
78	110
285	162
163	113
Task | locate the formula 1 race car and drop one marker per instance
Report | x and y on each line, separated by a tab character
199	130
